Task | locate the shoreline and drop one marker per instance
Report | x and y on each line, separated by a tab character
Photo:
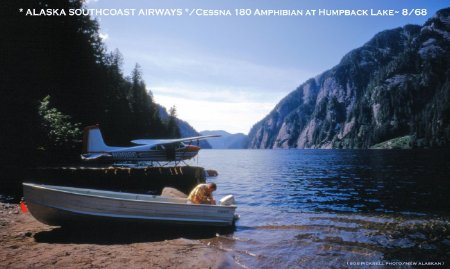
27	243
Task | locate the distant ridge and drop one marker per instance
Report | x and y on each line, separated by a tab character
186	129
227	140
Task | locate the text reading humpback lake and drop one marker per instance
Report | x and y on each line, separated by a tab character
341	208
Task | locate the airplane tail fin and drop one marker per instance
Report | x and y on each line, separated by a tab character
93	140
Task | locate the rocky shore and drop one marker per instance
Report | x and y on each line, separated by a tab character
27	243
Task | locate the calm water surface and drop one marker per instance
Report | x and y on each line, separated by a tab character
335	208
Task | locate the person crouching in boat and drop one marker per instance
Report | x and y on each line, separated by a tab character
202	194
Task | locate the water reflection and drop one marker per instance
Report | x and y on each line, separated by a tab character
343	181
317	208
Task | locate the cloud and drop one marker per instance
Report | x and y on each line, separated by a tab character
104	36
90	1
222	108
204	115
219	72
212	91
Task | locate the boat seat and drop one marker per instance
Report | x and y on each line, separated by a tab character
173	193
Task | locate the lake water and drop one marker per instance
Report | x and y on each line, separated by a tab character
335	208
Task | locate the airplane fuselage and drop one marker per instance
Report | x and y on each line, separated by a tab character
147	150
160	155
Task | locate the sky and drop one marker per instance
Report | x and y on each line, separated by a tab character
228	72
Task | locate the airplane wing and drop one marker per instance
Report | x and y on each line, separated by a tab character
154	142
94	156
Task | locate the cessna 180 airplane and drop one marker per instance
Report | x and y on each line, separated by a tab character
146	150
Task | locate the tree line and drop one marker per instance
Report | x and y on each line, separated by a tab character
56	77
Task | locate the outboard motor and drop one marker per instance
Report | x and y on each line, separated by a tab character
227	200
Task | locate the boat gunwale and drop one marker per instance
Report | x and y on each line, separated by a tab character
214	222
55	189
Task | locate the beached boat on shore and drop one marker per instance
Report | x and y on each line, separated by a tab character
58	205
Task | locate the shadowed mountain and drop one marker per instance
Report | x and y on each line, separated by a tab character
396	86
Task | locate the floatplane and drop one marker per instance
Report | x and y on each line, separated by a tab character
147	152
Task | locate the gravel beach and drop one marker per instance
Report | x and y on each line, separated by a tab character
27	243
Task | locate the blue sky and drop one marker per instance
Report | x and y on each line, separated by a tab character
229	72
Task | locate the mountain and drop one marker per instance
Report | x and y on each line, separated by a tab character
227	140
396	85
186	129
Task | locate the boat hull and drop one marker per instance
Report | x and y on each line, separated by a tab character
62	206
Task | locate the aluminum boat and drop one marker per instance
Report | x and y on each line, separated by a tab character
60	205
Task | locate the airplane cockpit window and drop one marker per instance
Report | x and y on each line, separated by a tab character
180	145
157	147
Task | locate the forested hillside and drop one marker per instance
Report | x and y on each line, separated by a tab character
394	89
56	77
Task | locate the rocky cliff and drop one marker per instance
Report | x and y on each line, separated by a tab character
396	85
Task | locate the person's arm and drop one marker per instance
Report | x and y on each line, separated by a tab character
211	199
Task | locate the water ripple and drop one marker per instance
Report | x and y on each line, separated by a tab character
317	208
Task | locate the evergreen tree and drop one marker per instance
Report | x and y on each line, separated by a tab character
64	57
172	127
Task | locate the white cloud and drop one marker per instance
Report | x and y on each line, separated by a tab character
219	71
230	116
104	36
212	91
215	93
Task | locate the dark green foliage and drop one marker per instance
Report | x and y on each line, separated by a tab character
64	57
320	112
172	127
61	133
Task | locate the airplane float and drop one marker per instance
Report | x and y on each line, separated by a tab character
146	150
